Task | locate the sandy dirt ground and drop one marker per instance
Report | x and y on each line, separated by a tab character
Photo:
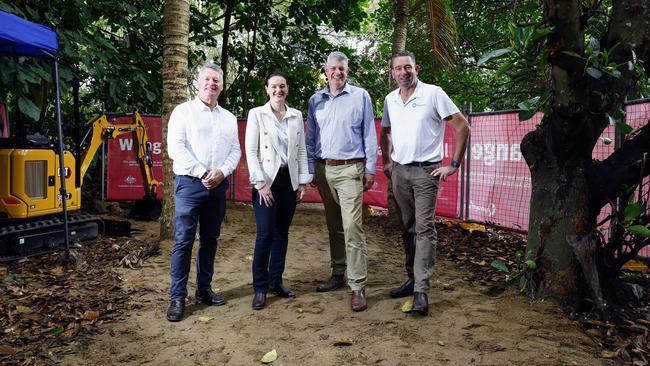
466	326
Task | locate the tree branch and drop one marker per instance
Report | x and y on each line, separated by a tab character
621	169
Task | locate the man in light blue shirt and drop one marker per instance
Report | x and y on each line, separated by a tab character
342	153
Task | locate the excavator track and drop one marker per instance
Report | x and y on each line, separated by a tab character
22	240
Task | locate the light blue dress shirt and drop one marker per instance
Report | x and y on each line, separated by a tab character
341	127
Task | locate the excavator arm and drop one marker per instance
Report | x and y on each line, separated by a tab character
99	130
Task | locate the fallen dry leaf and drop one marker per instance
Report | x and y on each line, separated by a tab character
91	315
6	350
23	309
270	356
609	354
594	332
205	318
343	342
408	306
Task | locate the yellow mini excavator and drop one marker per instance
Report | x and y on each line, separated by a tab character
40	181
30	184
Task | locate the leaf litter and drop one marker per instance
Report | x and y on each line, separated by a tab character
473	248
46	306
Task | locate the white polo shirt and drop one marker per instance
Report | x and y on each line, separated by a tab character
418	126
200	139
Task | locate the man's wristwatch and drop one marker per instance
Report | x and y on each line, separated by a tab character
455	164
204	175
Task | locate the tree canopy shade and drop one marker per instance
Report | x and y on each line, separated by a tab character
19	37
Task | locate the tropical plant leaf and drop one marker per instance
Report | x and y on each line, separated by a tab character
594	73
501	266
639	230
632	211
443	31
28	108
624	128
492	54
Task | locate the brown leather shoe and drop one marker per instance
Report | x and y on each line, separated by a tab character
358	301
334	283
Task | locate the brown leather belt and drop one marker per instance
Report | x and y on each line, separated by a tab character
344	162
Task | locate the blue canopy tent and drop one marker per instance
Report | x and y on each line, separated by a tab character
20	37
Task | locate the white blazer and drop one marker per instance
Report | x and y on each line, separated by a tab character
262	144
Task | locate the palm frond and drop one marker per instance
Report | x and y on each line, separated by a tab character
443	32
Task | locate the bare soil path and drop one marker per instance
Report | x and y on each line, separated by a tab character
466	326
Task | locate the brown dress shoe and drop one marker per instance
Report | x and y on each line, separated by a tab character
358	301
335	282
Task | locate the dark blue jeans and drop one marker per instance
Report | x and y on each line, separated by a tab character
272	233
195	205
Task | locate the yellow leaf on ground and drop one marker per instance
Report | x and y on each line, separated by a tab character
636	266
205	318
408	306
270	356
469	226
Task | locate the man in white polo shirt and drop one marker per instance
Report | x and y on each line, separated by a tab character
413	130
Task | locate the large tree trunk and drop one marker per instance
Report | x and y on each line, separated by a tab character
559	207
175	79
568	188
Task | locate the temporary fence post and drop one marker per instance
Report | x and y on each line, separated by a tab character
461	210
467	166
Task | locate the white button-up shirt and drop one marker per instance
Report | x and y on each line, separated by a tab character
418	126
200	139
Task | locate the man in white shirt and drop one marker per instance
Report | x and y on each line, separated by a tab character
412	136
203	144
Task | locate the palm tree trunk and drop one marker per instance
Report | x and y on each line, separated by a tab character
175	80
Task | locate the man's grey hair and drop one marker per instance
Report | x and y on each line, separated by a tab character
212	66
338	56
403	53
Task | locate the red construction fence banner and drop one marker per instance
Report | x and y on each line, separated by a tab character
124	179
497	189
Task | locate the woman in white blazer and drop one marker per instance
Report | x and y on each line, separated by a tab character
277	164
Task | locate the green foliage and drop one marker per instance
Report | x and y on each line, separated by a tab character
515	274
288	36
113	48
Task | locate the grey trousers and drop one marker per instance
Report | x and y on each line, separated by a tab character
416	192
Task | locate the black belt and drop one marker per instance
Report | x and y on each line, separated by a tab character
422	164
